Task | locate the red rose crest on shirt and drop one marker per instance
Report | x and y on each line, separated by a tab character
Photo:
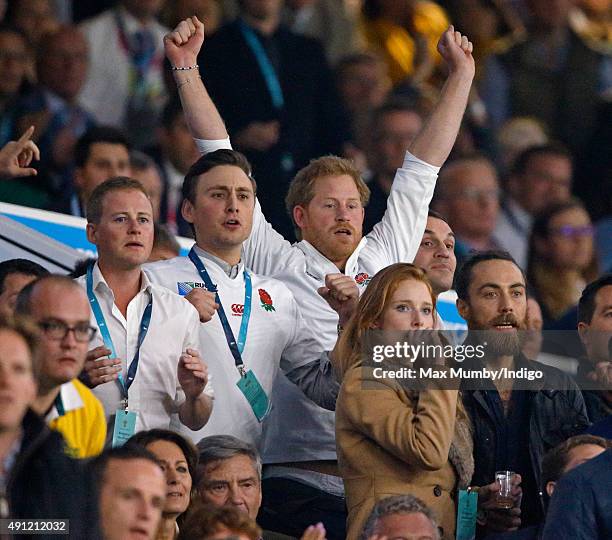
266	300
362	278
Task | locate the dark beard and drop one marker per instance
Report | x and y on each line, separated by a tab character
500	343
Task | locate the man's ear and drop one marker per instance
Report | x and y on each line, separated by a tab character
91	233
299	216
187	210
463	308
550	487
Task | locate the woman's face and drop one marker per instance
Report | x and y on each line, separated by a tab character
178	478
570	240
409	308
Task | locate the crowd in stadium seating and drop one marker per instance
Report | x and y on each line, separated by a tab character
342	166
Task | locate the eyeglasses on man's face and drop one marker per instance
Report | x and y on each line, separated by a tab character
57	330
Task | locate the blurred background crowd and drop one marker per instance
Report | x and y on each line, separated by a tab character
530	172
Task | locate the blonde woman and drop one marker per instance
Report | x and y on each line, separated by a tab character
392	440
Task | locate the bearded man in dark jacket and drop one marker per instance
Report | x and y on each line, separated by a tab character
515	419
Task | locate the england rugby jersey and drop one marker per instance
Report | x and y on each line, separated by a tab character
277	336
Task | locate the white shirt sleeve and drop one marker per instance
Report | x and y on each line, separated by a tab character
265	251
208	146
397	237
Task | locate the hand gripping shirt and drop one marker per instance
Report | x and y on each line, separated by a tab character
277	336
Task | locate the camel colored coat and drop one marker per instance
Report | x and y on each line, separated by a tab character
391	444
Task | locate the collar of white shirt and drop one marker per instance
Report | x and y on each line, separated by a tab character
100	285
71	400
232	271
318	265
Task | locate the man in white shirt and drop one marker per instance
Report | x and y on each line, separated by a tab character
149	334
252	324
124	86
329	214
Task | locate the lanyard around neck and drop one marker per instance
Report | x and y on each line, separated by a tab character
265	65
236	347
106	337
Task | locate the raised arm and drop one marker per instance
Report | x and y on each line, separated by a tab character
182	47
436	139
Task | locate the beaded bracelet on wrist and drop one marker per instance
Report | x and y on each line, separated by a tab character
187	68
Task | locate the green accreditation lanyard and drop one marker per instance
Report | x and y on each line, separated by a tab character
248	383
466	514
59	404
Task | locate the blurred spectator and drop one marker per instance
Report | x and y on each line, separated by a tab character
532	344
494	25
275	92
51	106
145	170
556	463
14	62
580	507
101	153
541	176
60	309
553	62
175	152
363	85
165	245
334	23
401	516
376	459
467	193
516	135
394	126
15	160
131	492
512	428
15	274
124	87
595	330
406	33
567	456
178	458
592	21
225	523
208	11
38	480
35	18
561	258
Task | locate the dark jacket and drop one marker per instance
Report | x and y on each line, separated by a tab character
44	483
581	506
557	412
